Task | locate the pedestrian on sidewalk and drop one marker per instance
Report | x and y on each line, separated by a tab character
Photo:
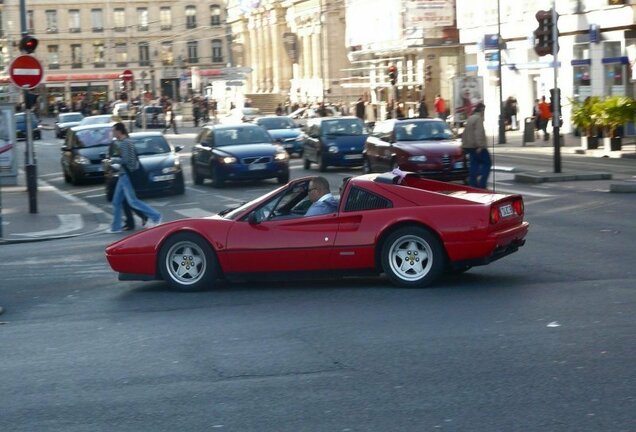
123	189
545	114
170	118
475	146
440	107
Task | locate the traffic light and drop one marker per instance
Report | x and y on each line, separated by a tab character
429	73
543	35
555	100
393	74
28	44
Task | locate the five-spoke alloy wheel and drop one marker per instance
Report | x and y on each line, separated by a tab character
187	262
412	257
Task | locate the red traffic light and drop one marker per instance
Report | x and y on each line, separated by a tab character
28	44
393	74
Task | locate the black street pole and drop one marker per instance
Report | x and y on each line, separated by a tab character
556	111
30	163
502	124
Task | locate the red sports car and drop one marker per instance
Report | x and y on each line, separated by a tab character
410	228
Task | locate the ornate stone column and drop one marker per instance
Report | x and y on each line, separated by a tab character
253	60
278	54
260	53
315	53
267	51
307	66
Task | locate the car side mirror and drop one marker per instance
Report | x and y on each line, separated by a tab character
65	148
178	148
252	219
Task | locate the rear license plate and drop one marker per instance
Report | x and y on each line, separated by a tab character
163	177
257	166
506	210
353	156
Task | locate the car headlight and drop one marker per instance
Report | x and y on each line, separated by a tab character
177	162
420	158
169	170
333	149
82	160
227	159
281	156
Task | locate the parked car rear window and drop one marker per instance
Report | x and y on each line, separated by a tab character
343	127
70	118
276	123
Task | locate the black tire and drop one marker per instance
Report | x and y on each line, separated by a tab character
74	179
283	179
306	163
322	164
197	178
179	187
187	262
412	257
67	177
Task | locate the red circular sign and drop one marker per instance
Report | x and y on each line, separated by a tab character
26	72
127	75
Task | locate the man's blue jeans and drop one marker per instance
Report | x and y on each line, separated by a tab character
124	190
479	170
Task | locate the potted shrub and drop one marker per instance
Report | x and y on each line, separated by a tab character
612	113
584	119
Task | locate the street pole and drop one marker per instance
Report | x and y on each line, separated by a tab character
502	124
556	114
30	167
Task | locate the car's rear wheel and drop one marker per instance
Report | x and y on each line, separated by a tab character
187	262
217	179
412	257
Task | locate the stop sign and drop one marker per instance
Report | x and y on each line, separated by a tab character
127	75
26	72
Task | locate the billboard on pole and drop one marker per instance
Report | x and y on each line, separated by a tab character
468	91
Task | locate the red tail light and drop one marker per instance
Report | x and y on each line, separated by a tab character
494	215
518	206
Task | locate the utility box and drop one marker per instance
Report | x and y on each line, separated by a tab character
528	130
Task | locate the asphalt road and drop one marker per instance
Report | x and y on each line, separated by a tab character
542	340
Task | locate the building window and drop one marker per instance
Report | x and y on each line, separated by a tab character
53	53
217	51
215	15
119	19
97	20
191	17
99	54
121	54
142	19
165	18
51	21
76	56
144	54
74	21
614	73
167	58
193	52
30	22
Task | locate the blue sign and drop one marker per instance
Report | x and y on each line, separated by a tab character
595	33
491	42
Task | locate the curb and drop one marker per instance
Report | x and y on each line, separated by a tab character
623	187
539	177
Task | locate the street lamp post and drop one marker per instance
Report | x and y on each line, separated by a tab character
502	124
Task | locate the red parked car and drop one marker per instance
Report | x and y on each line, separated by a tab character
410	228
424	146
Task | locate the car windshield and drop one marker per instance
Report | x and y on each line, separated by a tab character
352	126
94	137
74	117
151	145
96	120
277	123
242	135
422	131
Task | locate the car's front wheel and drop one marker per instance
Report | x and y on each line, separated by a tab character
197	178
322	163
187	262
412	257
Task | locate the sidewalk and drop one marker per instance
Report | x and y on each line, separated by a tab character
59	215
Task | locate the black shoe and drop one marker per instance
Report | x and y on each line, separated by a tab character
128	228
144	220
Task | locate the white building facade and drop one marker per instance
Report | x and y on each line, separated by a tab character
597	50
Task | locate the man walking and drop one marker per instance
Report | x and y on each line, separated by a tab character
422	109
545	114
440	107
476	147
124	189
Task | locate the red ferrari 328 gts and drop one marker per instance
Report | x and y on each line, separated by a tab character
410	228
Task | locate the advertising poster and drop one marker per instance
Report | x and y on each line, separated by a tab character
468	91
8	148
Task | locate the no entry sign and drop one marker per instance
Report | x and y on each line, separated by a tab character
26	72
127	75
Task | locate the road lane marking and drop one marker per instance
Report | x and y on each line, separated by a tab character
194	212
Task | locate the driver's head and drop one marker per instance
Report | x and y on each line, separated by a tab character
318	186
